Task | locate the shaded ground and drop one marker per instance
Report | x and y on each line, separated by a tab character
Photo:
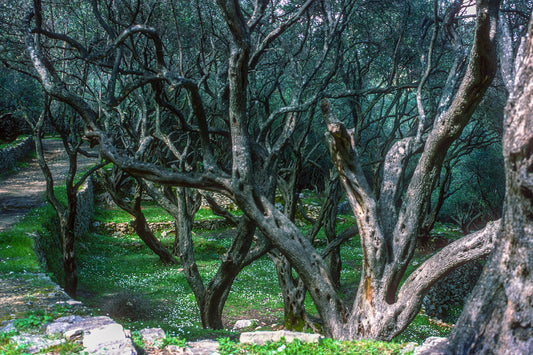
24	189
20	295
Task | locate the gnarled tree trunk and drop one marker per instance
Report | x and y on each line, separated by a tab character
498	317
388	234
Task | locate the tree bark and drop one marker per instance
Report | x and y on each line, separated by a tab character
66	214
143	231
388	233
139	223
333	259
292	291
498	318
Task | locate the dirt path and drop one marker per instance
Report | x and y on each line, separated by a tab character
25	188
21	191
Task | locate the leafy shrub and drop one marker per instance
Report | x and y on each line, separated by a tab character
33	321
173	341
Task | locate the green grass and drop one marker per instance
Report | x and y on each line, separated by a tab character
323	347
16	245
152	212
14	143
124	268
421	328
121	277
121	270
115	271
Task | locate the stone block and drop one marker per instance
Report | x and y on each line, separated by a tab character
428	345
245	323
108	339
151	335
262	337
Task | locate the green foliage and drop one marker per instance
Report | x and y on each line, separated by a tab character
33	321
7	347
38	318
137	339
479	182
325	346
14	143
64	348
173	341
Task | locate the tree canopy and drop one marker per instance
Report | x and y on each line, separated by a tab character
235	97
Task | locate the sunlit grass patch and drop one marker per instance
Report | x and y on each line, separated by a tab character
325	347
122	266
17	253
423	327
114	265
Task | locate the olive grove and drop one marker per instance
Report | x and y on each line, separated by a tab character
234	97
497	317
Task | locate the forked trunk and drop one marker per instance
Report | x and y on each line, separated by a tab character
498	317
143	231
233	261
293	293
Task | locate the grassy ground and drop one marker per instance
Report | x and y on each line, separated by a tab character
121	277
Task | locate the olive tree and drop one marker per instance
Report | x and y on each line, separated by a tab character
497	317
236	159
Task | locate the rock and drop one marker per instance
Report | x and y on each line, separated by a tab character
409	348
202	347
73	334
8	326
108	339
70	302
70	323
176	350
451	291
101	335
63	324
428	345
35	343
245	323
151	335
262	337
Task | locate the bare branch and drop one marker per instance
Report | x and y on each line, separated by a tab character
272	36
470	247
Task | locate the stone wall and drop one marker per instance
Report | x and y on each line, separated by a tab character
125	228
451	292
10	155
47	245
